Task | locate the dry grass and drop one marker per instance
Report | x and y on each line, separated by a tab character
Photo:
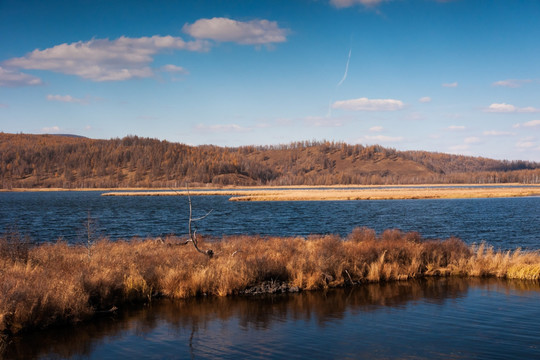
359	193
53	283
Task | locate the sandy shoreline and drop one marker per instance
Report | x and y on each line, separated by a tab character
355	193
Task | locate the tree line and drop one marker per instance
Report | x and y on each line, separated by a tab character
51	161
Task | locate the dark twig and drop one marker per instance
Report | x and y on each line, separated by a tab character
191	230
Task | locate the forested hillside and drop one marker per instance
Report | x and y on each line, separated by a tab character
42	161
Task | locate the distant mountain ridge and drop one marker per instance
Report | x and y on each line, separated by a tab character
67	161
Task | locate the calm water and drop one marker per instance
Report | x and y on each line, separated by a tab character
504	223
429	319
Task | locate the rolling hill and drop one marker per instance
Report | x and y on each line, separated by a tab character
61	161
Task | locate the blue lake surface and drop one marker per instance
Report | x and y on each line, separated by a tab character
505	223
425	319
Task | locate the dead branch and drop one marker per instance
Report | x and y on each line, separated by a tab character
193	232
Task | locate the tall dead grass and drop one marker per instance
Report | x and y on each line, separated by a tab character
53	283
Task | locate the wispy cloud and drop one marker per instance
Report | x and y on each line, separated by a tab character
318	121
365	104
509	108
51	130
532	123
450	85
472	140
174	69
255	32
376	128
329	112
3	106
381	139
349	3
415	116
221	128
511	83
456	128
147	117
367	3
526	143
67	99
425	99
103	59
497	133
346	69
11	78
460	148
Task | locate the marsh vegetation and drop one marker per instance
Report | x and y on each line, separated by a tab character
60	283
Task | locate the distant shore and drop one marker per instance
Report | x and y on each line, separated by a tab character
327	193
337	193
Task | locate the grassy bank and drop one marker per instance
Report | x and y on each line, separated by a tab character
55	283
358	193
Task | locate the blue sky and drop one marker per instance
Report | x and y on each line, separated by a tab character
454	76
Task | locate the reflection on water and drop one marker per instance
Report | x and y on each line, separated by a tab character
446	318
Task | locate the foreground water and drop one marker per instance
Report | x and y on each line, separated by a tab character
505	223
428	319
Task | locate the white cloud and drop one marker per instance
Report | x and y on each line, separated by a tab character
104	60
472	140
9	78
50	130
349	3
511	83
450	85
66	98
497	133
255	32
425	99
221	128
376	128
456	127
501	108
509	108
531	123
365	104
174	69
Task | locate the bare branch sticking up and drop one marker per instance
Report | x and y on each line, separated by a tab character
192	232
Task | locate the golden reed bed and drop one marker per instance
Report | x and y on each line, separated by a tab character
360	193
60	283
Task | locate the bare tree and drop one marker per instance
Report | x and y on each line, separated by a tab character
193	231
89	234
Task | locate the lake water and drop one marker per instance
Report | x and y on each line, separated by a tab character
425	319
505	223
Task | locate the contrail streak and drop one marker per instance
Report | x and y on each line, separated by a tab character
329	113
346	70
